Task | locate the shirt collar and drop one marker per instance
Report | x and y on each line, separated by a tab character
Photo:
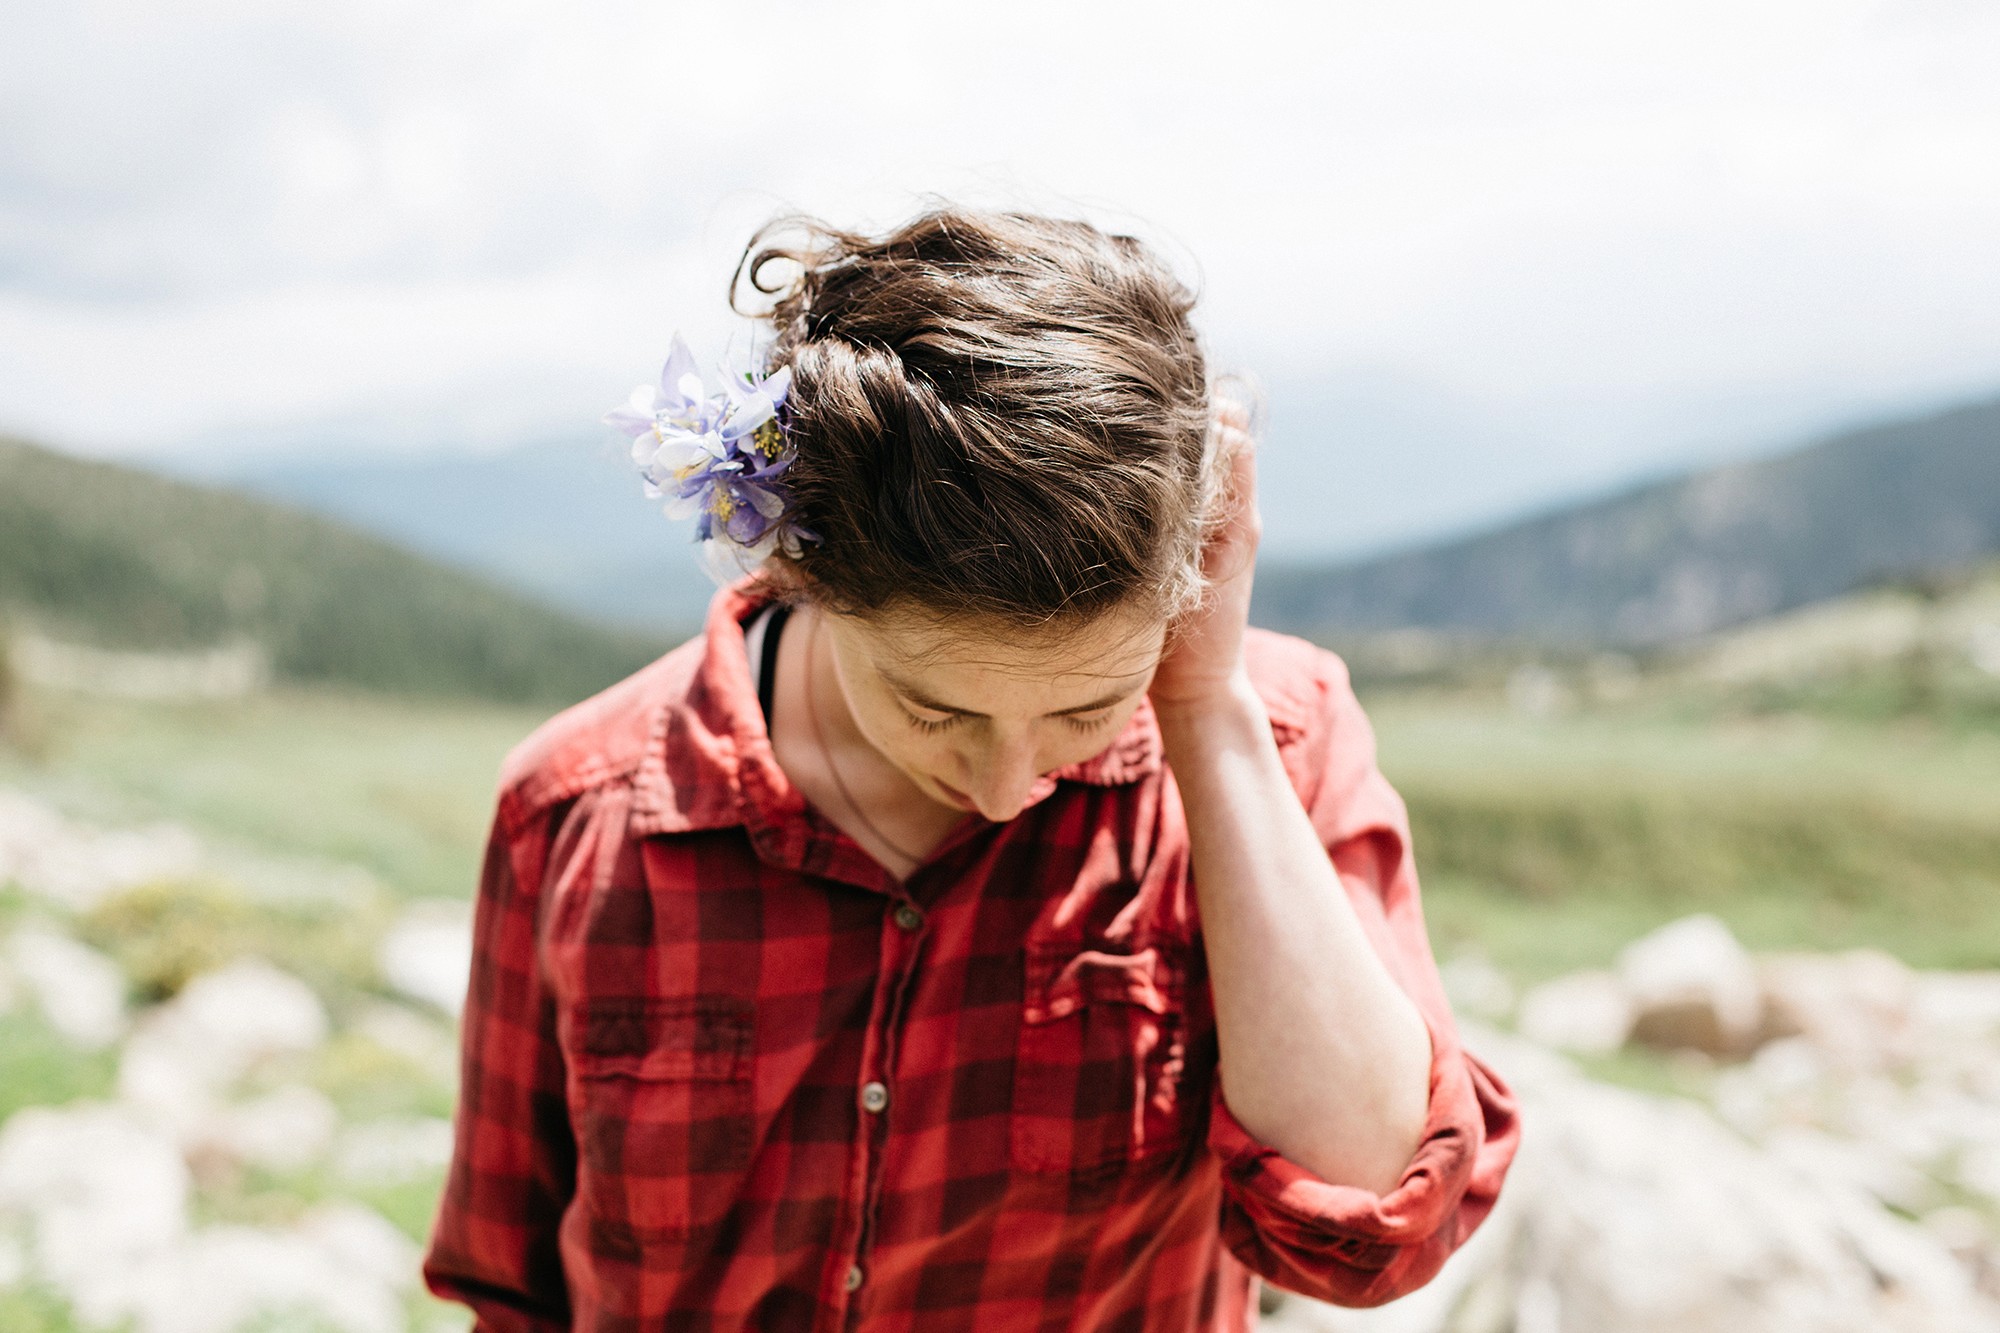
708	761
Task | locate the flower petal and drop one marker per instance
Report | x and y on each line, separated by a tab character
680	364
766	502
750	413
631	423
746	525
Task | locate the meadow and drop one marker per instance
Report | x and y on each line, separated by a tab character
1546	843
1544	839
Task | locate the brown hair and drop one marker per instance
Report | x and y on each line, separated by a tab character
997	415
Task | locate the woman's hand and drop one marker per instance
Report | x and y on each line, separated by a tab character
1204	659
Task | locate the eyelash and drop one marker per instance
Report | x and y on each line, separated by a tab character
934	725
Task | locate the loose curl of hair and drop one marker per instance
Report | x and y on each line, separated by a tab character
998	416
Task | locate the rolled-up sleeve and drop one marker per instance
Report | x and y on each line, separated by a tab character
1339	1243
494	1243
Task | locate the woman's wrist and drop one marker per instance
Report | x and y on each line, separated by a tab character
1225	714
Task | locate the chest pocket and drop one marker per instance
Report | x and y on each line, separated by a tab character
1099	1069
661	1105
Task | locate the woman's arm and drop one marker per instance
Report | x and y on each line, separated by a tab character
493	1244
1323	1056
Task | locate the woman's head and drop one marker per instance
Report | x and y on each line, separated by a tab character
999	418
1002	433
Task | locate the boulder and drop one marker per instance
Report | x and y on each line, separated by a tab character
76	867
187	1055
225	1278
96	1193
284	1130
81	992
1692	986
1856	1006
427	954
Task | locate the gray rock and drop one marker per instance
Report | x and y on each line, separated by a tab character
76	867
1692	986
427	954
96	1193
80	991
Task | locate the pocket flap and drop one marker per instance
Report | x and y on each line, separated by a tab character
695	1038
1060	983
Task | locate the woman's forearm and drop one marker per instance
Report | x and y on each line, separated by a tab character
1323	1056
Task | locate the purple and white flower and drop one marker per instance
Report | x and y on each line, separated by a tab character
716	453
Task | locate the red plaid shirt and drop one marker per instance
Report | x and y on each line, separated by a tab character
721	1071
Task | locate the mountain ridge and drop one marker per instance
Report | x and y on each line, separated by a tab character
1681	556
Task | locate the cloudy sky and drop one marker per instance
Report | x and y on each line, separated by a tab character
1485	256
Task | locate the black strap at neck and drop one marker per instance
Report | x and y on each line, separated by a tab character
767	665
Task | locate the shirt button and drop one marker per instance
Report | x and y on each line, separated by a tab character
854	1278
908	917
874	1097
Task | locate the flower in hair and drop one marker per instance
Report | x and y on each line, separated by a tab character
718	453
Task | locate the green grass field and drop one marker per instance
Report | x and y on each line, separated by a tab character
403	789
1549	842
1545	843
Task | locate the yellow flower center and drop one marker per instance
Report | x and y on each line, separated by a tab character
767	439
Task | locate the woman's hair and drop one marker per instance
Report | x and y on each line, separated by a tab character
997	415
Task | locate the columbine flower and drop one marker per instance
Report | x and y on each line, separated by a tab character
752	423
716	454
674	426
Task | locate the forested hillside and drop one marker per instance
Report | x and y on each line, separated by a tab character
120	558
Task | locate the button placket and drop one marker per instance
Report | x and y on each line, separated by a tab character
899	949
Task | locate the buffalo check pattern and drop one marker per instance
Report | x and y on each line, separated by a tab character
722	1072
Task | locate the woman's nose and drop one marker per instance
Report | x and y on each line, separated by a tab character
1004	785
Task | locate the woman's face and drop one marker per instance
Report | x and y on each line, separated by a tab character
977	714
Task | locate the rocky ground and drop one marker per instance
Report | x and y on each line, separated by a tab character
229	1084
226	1085
1833	1167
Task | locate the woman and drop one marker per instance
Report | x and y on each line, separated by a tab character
978	927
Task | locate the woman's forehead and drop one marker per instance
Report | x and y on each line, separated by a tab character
1110	647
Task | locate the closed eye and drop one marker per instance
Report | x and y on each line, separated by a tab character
933	725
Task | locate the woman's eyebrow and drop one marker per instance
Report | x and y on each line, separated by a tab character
1096	704
922	700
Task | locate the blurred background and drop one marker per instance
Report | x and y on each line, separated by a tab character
1634	432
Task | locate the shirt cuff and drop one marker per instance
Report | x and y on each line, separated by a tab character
1343	1243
